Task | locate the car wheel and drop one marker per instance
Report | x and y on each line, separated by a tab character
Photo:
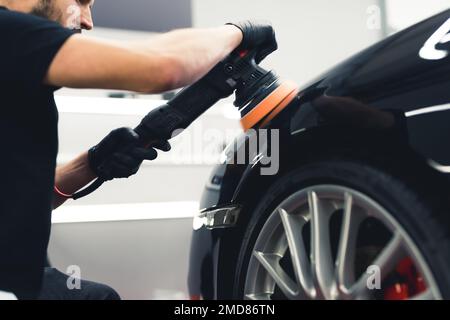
344	230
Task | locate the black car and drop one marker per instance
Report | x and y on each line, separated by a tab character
359	207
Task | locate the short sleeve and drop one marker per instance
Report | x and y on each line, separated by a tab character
30	44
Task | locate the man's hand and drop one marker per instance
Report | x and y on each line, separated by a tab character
257	34
119	155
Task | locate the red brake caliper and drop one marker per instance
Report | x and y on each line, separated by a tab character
410	282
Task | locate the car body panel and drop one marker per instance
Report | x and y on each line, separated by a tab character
394	95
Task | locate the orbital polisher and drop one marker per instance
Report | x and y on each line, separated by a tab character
260	96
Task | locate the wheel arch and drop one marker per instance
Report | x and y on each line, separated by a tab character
305	147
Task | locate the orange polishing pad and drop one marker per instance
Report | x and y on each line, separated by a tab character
276	101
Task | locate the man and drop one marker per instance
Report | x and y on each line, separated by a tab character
37	57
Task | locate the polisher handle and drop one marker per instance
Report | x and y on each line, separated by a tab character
190	103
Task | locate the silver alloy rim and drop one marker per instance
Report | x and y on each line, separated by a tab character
320	276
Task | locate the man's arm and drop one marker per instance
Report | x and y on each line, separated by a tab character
165	62
71	177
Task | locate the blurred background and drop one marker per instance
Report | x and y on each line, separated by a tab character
135	234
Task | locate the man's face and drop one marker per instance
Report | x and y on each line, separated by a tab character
72	14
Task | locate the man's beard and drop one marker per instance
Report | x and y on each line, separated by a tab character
46	9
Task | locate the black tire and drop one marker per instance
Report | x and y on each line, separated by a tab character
414	200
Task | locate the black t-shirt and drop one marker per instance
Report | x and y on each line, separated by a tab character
29	145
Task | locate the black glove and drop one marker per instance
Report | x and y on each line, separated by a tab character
119	154
257	34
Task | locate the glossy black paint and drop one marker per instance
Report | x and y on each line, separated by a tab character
377	101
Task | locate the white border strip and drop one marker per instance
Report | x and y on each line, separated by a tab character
125	212
417	112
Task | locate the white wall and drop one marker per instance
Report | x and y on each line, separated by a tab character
404	13
141	259
313	35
